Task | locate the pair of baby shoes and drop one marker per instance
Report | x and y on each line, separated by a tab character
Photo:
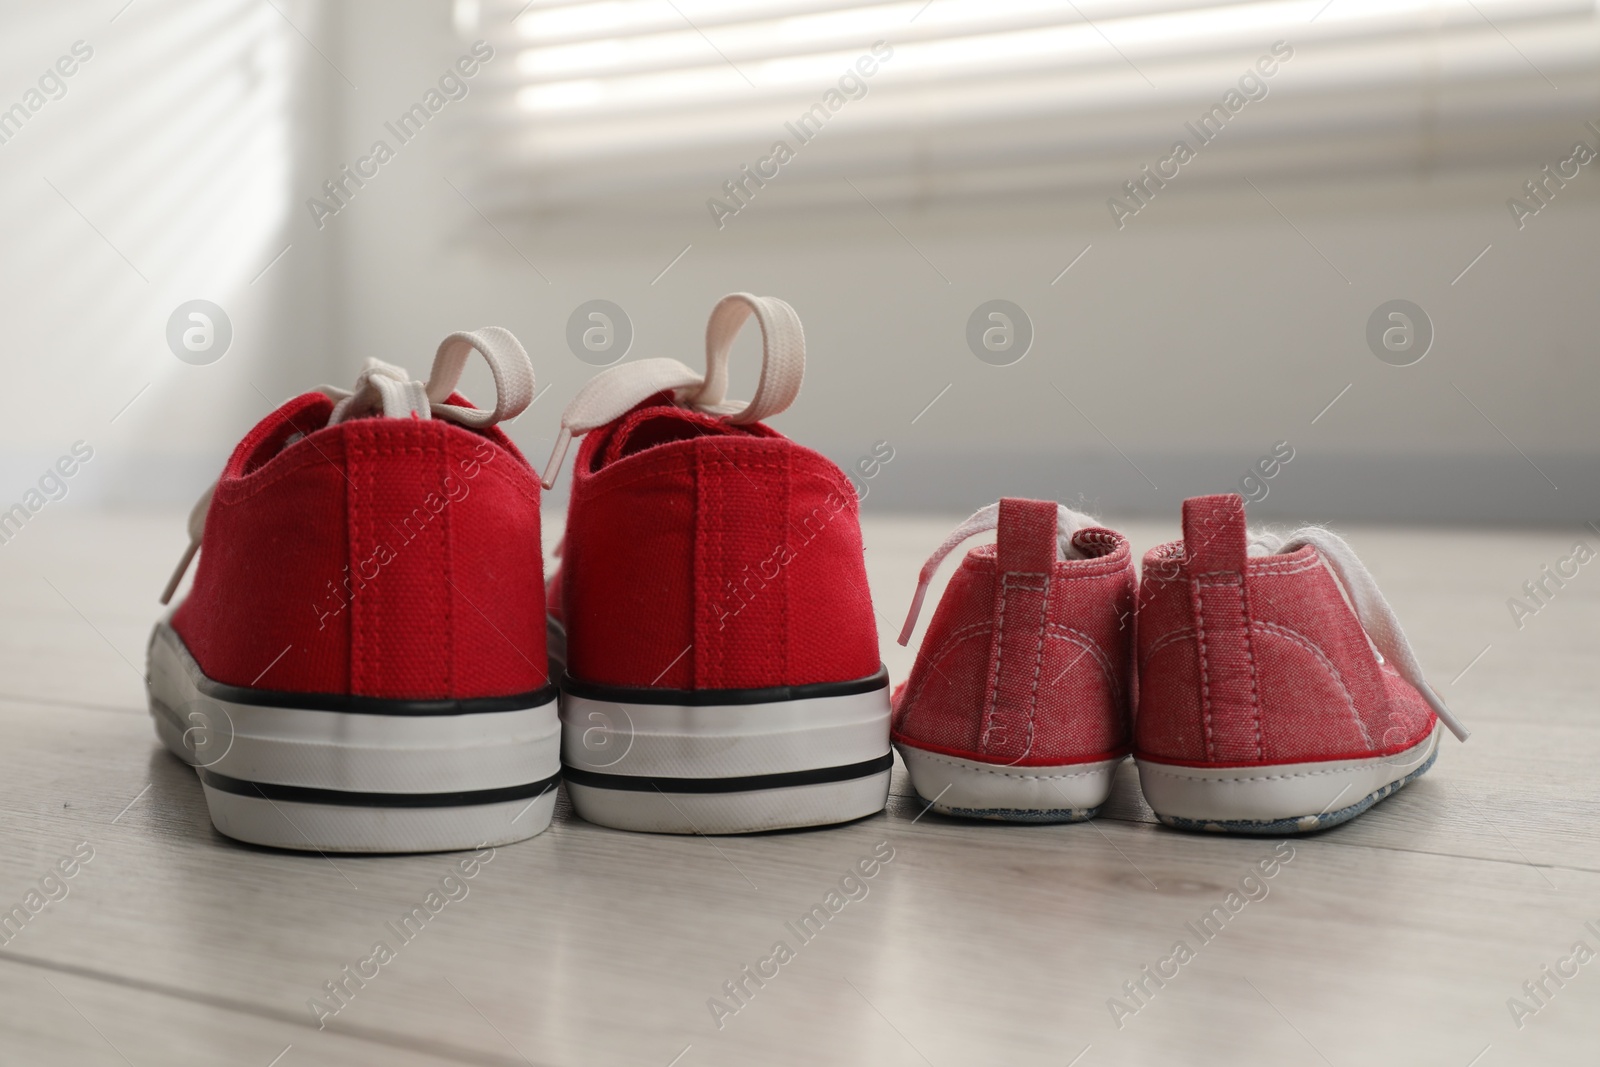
1261	683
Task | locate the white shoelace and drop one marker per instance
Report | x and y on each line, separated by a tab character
385	390
1377	618
614	391
1068	522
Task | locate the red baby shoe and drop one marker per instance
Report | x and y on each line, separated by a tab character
360	665
722	670
1017	707
1277	692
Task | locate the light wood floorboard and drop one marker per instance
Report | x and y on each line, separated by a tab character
1396	939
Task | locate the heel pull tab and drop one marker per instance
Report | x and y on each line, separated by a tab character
1025	557
1025	537
1214	533
1214	547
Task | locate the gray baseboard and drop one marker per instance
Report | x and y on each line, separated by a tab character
1468	489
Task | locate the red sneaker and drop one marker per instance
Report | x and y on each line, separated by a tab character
1277	692
722	670
1017	707
360	665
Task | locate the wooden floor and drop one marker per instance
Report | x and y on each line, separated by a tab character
1396	939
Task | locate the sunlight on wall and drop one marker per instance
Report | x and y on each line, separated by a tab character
158	172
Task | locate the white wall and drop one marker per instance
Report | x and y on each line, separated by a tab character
1194	339
163	173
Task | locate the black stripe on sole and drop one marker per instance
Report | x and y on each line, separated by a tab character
630	783
695	698
350	705
297	794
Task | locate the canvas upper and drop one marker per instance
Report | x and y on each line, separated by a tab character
704	550
1028	659
1271	658
376	551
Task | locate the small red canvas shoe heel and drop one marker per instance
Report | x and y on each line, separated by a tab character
360	664
722	670
1277	691
1017	707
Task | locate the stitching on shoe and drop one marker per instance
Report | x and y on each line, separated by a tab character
356	512
449	593
1159	575
1170	638
982	559
843	488
1038	658
956	637
994	676
1227	579
1032	582
1090	645
786	620
962	765
232	491
1145	766
1257	563
684	468
1178	635
1205	675
709	508
1060	632
1333	672
913	692
1250	657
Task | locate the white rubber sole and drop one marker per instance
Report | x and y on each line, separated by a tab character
342	774
1286	798
972	789
332	828
807	756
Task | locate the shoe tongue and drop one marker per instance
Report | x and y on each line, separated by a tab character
658	421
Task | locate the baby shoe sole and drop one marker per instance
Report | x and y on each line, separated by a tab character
973	789
334	773
726	761
1283	799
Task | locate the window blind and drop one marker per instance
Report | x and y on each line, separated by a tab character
635	106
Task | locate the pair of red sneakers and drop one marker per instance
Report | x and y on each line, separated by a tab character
366	661
1261	683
